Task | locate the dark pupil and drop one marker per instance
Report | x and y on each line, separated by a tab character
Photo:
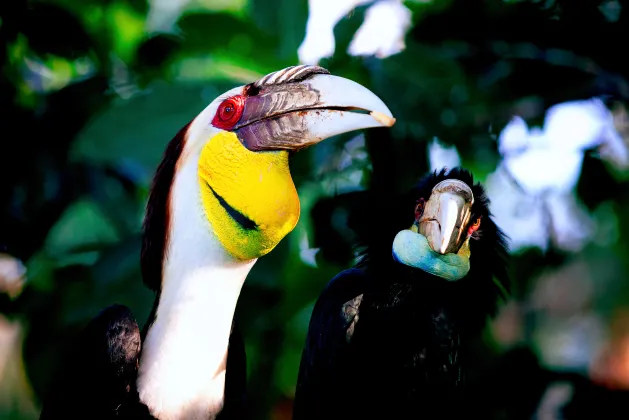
228	109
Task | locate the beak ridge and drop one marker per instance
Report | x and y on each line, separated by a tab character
446	215
292	116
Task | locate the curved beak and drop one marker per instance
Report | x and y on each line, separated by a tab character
446	216
295	115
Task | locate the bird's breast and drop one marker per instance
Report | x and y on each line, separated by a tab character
404	348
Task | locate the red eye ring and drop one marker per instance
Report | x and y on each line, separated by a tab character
474	226
229	112
419	208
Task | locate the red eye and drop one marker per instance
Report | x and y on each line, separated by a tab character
229	112
419	208
474	226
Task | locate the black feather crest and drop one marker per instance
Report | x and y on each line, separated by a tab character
156	227
487	280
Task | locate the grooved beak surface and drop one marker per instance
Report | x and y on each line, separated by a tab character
446	216
296	115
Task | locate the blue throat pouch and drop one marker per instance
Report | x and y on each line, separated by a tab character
411	248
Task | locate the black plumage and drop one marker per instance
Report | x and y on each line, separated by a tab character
100	370
390	341
98	377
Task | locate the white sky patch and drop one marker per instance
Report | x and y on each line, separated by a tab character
163	15
533	189
383	30
570	343
308	255
442	156
381	36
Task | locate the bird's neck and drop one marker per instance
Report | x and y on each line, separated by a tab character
182	367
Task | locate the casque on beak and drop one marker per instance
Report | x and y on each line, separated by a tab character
446	216
295	115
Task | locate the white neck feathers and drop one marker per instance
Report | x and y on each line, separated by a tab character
182	368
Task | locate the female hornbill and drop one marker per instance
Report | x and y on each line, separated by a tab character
221	198
388	338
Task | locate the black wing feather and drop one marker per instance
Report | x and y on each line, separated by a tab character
96	378
329	333
235	377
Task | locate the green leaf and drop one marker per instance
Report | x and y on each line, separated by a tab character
129	31
235	7
219	67
100	19
287	369
123	207
295	338
285	20
235	42
39	270
119	262
81	224
139	129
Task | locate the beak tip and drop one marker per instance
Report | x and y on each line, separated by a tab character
383	119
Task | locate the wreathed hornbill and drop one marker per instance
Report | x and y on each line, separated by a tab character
222	197
388	338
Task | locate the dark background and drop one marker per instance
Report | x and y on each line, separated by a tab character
90	95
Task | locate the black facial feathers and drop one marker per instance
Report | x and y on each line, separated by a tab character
488	276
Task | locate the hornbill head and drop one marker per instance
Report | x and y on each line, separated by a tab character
443	230
243	143
445	219
237	149
451	225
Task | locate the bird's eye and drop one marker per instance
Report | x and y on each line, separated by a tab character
419	209
474	227
229	112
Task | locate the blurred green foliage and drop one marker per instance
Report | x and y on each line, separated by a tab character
90	98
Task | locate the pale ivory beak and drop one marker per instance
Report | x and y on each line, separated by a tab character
446	215
295	115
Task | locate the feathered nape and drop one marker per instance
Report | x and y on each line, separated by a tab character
487	280
156	227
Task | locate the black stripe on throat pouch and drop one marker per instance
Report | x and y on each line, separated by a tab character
242	220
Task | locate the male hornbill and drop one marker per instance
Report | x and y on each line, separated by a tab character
221	198
389	338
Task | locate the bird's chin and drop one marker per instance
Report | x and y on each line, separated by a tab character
249	198
412	249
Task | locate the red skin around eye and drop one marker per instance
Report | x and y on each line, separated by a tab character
419	208
229	112
474	227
